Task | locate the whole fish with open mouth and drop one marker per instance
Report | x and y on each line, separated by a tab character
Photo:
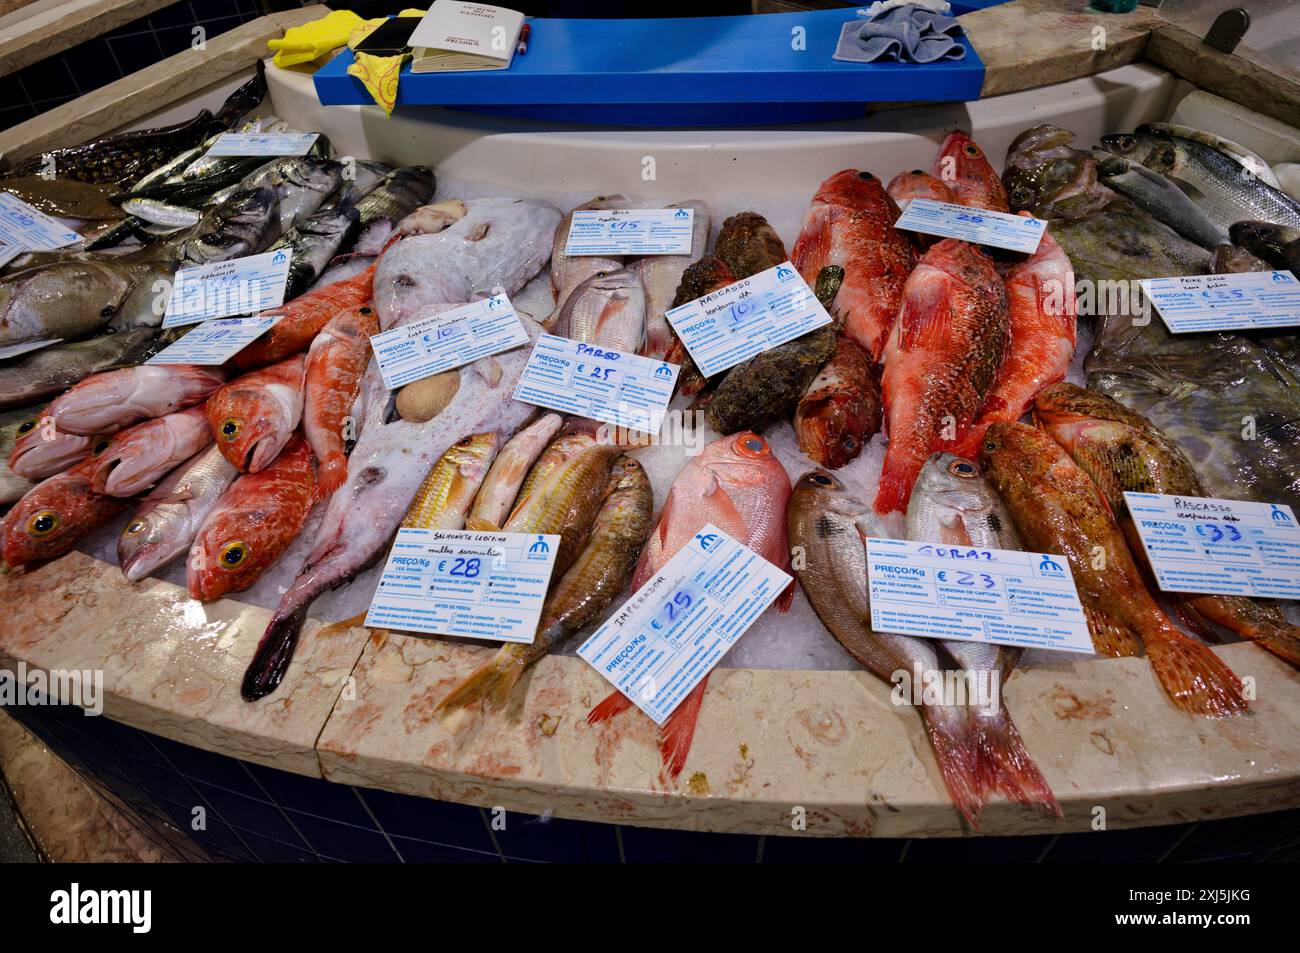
385	471
167	520
336	362
41	450
13	425
1276	244
1242	155
567	272
1123	451
512	465
851	224
1220	185
941	360
661	274
1057	509
51	371
138	457
608	309
963	167
252	524
737	484
501	242
64	301
578	599
1159	196
115	399
48	521
954	505
252	417
830	526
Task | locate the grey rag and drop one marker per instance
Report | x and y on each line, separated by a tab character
909	34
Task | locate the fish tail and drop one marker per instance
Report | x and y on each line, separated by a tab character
1258	622
274	653
1006	765
615	703
678	731
333	473
1196	679
958	760
1109	637
490	685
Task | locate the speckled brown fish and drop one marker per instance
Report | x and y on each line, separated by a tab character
841	409
748	244
704	277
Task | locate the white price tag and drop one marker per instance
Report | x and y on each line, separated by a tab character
634	231
1227	547
263	144
215	342
976	225
677	627
439	343
238	286
616	387
27	229
1235	302
457	582
1000	596
731	325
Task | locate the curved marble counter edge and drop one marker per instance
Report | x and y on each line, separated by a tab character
774	750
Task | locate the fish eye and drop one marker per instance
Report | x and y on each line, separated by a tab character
230	428
107	312
26	426
101	447
822	479
865	176
752	446
971	149
367	311
918	172
1021	196
849	443
133	528
962	468
232	555
43	523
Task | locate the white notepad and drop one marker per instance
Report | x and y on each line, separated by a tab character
456	35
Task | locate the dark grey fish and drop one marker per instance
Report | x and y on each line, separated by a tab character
313	244
1276	244
402	192
49	372
1161	198
360	178
233	229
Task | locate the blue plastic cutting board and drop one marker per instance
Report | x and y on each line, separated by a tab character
677	72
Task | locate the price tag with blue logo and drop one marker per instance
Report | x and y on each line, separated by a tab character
1224	547
630	231
731	325
677	626
976	225
24	228
443	341
1000	596
616	387
215	342
263	144
218	290
1237	302
458	582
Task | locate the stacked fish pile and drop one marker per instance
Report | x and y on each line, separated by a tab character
945	345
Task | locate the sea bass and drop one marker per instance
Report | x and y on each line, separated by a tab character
940	361
48	521
1159	196
136	458
1059	510
1123	451
116	399
841	410
963	167
579	598
737	484
851	224
167	520
332	383
253	416
500	488
385	471
252	524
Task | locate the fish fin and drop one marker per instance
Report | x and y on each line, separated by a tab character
678	730
1006	765
1109	637
1189	617
893	492
925	317
1256	621
333	474
959	765
491	683
1285	645
478	524
614	704
273	655
1193	677
337	628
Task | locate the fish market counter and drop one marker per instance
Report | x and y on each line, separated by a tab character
796	737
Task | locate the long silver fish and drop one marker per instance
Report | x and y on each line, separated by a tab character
168	519
1239	153
1159	196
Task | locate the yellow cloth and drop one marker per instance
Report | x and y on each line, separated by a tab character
378	73
302	44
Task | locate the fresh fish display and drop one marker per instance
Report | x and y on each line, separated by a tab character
252	524
737	484
303	318
1276	244
444	498
1159	196
660	276
253	416
64	301
167	520
578	599
567	272
50	371
1123	451
336	361
841	409
1057	509
501	242
608	309
115	399
1041	307
385	471
1219	185
15	424
138	457
48	521
851	224
941	359
501	487
963	167
1249	160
